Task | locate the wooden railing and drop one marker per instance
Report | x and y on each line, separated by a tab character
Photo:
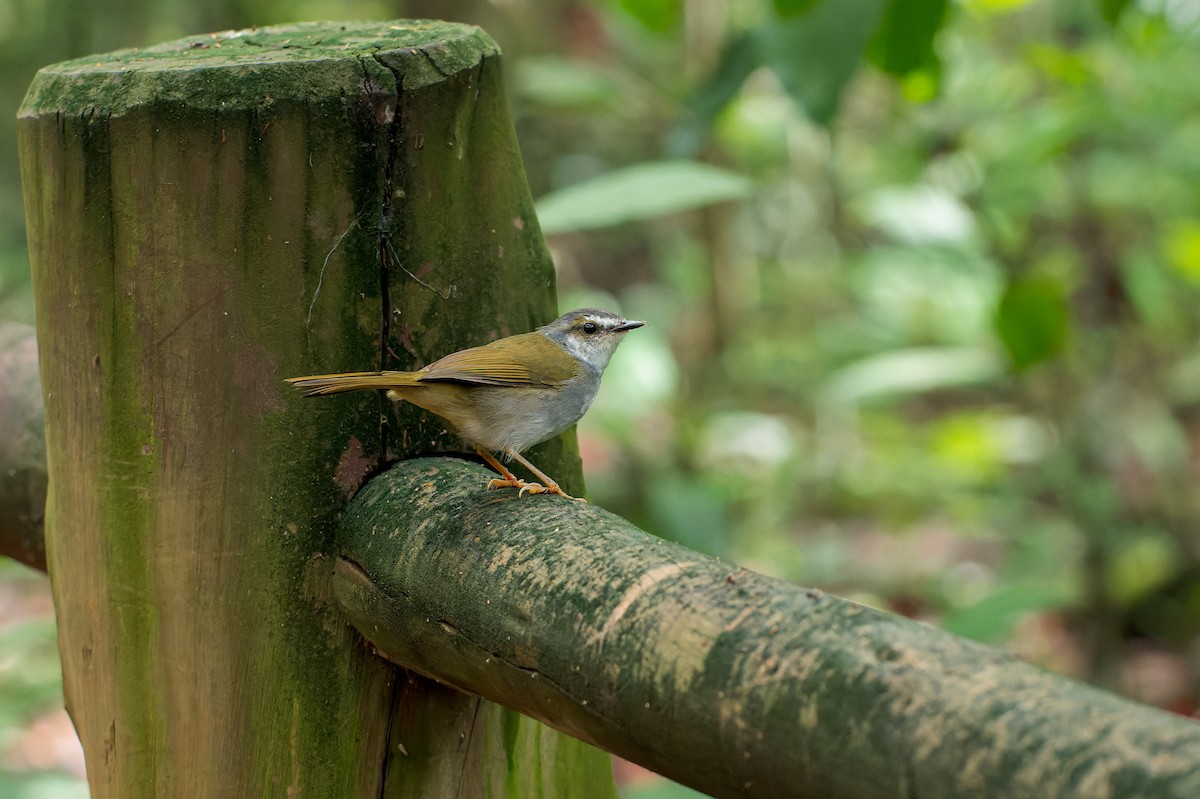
726	680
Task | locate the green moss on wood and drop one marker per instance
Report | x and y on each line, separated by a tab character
257	67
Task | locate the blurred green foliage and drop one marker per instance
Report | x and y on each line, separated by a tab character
944	357
922	281
30	688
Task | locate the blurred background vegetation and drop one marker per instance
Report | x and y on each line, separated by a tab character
923	285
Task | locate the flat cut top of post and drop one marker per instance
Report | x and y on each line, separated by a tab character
286	62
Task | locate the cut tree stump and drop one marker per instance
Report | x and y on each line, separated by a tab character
206	218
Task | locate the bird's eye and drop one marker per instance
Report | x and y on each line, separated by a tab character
590	327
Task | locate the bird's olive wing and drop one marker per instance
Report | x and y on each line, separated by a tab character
529	359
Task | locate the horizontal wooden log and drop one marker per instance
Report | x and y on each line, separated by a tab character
723	679
22	448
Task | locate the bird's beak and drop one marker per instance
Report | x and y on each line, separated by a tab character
628	325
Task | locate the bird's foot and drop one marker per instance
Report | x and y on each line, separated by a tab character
523	485
532	488
550	488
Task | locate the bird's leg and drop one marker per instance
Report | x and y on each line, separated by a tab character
550	486
507	478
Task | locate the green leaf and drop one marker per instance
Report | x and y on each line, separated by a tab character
992	619
1182	248
792	8
1143	562
1032	319
1112	10
914	370
740	58
816	55
639	192
563	83
904	40
659	16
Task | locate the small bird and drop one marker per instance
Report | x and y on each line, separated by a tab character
508	395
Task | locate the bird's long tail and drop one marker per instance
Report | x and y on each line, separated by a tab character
317	385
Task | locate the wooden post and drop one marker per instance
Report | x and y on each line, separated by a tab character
726	680
207	217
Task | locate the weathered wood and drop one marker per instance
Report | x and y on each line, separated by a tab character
22	448
207	217
721	678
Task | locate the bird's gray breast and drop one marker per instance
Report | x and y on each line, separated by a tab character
571	402
531	415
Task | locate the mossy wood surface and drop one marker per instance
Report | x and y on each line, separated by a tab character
734	683
206	218
22	448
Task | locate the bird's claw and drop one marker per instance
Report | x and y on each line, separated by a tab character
532	488
498	482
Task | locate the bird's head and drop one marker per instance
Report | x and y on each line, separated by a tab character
590	334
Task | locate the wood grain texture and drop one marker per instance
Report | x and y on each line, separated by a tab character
206	218
726	680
